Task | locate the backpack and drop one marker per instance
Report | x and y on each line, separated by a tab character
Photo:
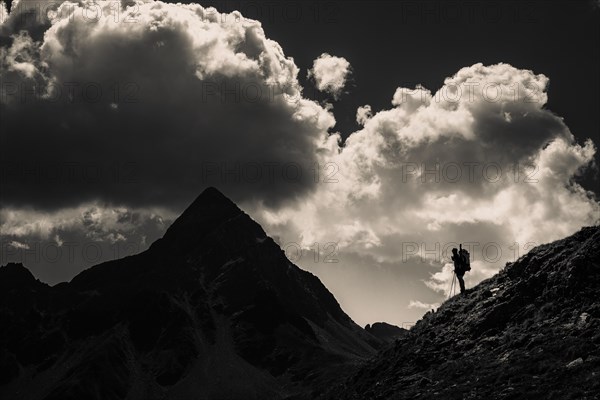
466	260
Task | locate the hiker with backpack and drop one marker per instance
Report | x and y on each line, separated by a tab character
462	264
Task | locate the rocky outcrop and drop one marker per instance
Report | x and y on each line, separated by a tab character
385	331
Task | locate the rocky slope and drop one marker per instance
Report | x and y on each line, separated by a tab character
530	332
213	310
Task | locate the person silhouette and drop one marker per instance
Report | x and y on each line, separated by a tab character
459	268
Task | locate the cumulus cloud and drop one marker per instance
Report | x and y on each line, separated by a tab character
443	168
363	114
3	12
330	74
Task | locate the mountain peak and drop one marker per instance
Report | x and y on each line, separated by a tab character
213	193
210	209
210	199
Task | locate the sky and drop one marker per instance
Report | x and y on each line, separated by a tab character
367	138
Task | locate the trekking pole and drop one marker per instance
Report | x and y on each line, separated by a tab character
454	284
451	286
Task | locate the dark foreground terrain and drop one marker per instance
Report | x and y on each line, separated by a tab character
214	310
530	332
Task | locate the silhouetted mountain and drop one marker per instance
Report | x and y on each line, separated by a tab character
385	331
213	310
530	332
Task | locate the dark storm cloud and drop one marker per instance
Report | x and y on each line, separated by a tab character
151	112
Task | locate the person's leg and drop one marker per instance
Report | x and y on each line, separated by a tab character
461	281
